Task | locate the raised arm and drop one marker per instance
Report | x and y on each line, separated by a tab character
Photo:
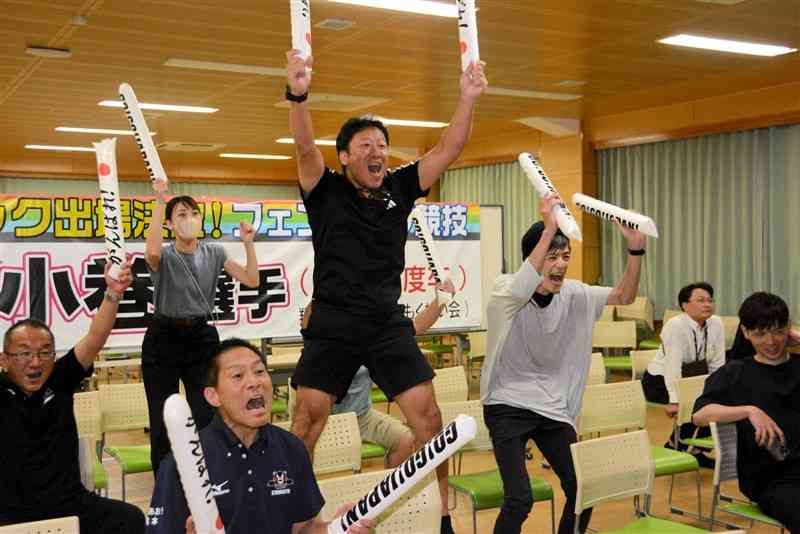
310	164
455	137
625	291
246	274
152	247
88	346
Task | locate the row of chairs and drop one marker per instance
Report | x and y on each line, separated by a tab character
621	406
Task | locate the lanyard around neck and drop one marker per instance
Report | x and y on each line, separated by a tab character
705	343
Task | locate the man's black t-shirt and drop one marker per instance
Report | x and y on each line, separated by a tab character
776	390
359	243
39	448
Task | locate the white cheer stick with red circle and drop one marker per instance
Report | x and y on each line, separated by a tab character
142	133
105	151
397	483
191	463
301	26
435	264
468	33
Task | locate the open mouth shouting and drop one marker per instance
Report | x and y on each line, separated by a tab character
256	404
375	169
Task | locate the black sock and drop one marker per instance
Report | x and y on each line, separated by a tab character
447	525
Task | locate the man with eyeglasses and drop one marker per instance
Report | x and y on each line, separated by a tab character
41	472
692	344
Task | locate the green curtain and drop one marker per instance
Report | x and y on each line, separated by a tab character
723	206
89	187
504	184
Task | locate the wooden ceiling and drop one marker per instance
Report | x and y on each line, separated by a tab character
410	60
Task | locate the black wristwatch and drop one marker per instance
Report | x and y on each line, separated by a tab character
638	252
295	98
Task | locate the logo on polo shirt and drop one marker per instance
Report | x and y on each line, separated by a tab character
48	396
220	489
280	483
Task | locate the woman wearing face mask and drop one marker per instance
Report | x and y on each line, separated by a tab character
179	339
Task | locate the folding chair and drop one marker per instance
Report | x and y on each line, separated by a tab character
476	353
417	512
61	525
724	438
450	384
597	370
89	419
617	335
339	445
620	406
688	390
124	407
485	489
618	467
730	324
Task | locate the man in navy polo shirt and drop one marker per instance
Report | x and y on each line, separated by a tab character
261	475
41	474
359	224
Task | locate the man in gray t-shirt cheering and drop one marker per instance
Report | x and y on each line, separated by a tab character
539	346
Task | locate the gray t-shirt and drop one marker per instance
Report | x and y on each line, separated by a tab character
539	359
174	292
358	395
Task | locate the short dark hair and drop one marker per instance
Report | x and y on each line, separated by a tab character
686	292
33	323
183	199
763	310
534	234
212	366
355	125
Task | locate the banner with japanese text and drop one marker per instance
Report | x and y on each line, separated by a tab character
52	258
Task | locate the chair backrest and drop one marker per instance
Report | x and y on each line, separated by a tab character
450	384
612	407
87	454
338	447
450	410
688	390
614	335
640	359
609	313
417	512
124	407
669	314
88	415
724	437
61	525
612	468
477	344
279	350
597	370
730	323
640	310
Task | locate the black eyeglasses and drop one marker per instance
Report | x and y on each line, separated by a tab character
25	356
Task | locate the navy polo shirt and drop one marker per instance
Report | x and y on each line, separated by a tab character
266	488
39	448
359	243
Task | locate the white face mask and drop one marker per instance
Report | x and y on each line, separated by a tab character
188	228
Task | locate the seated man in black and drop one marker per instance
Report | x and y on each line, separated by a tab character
762	395
41	474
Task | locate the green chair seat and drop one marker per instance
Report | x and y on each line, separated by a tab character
649	344
438	348
280	406
134	459
702	443
749	511
618	363
100	476
376	395
653	525
486	488
671	462
371	450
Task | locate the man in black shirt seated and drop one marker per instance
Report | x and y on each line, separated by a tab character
761	395
41	474
261	475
